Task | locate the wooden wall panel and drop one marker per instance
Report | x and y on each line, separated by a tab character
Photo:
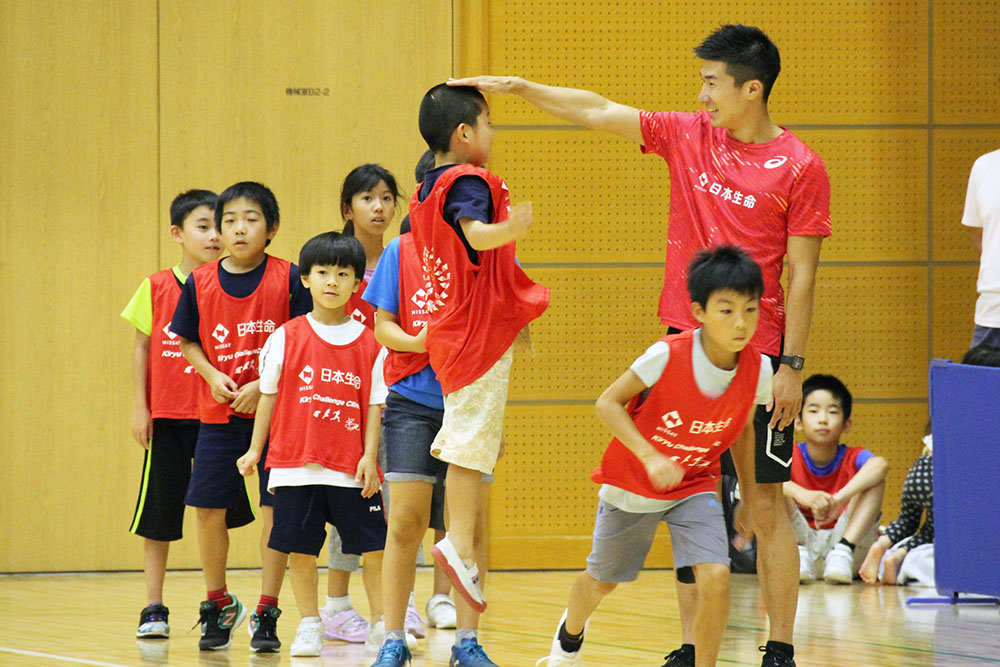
296	99
966	39
639	52
77	197
955	151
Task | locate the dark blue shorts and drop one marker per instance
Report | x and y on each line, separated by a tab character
302	512
166	473
215	480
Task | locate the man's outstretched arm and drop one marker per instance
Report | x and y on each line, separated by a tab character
578	107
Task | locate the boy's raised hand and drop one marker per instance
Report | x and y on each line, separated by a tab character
248	462
519	220
247	397
223	387
663	472
368	473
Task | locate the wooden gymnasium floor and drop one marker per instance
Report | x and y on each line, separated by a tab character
88	619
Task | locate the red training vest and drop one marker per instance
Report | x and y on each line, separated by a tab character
233	330
831	483
475	310
681	422
412	315
361	310
172	383
321	409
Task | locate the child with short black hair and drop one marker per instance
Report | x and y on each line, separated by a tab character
834	497
686	400
478	302
225	313
165	406
321	403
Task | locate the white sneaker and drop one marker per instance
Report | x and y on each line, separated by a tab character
557	657
839	565
376	637
308	638
807	565
464	579
441	612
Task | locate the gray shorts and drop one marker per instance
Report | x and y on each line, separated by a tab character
622	539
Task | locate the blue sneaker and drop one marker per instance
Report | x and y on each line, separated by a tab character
469	654
394	653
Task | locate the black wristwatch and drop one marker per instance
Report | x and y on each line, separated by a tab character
794	361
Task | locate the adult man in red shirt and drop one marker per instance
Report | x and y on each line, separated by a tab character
736	178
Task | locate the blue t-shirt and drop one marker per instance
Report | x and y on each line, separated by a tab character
383	292
239	285
468	197
832	466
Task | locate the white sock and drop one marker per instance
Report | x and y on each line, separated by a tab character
412	602
337	605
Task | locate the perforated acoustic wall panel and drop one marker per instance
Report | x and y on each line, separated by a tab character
966	40
897	97
640	53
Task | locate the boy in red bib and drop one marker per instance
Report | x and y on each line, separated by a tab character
835	495
321	401
478	302
226	311
165	410
673	413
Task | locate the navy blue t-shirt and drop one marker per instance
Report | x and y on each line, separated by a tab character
239	285
469	197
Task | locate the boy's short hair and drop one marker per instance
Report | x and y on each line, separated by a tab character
185	202
831	384
982	355
748	54
332	249
724	267
255	192
443	109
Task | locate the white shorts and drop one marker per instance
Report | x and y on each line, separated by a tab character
820	541
473	420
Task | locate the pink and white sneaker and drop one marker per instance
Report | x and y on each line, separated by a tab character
346	626
414	624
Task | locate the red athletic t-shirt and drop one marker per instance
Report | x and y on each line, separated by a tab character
475	311
724	191
172	383
683	424
322	403
233	330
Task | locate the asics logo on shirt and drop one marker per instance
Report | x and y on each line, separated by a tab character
221	333
306	375
775	162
